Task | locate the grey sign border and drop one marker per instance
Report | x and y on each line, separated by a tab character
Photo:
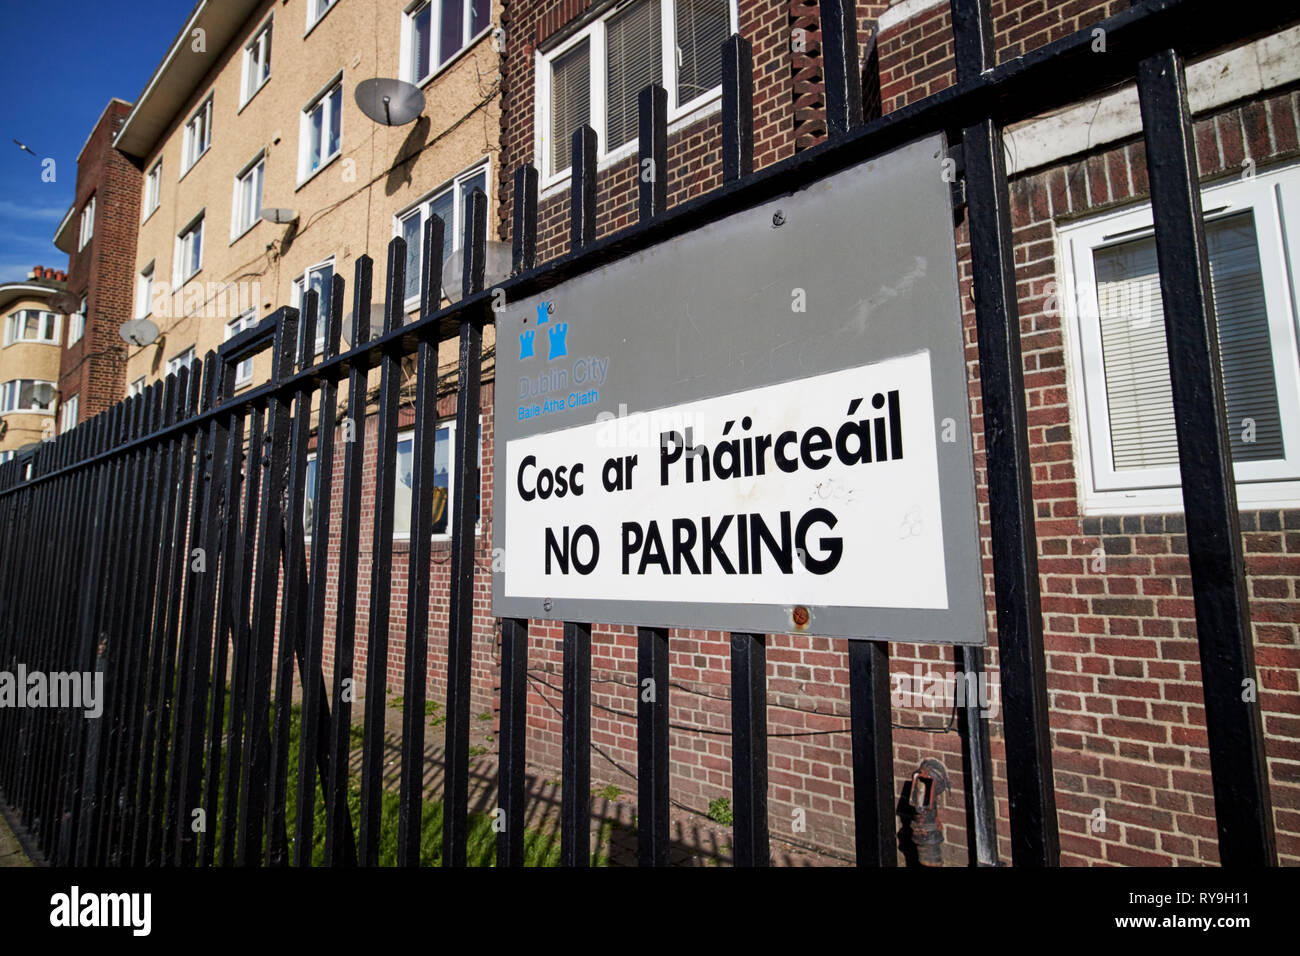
897	209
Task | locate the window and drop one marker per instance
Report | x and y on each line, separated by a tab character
32	325
189	250
77	325
198	135
135	388
436	31
244	370
317	9
257	62
1121	367
322	133
144	292
68	414
248	197
87	223
451	204
319	279
152	182
6	456
443	480
595	76
27	395
309	495
175	364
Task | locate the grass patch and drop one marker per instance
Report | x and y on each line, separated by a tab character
541	848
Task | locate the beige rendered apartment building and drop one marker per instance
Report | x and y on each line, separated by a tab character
253	107
29	360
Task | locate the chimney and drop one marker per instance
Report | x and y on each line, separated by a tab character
36	273
49	273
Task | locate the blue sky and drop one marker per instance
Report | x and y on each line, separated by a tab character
67	59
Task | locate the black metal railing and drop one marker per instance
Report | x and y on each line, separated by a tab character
161	544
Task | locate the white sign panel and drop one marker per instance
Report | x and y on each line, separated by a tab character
821	491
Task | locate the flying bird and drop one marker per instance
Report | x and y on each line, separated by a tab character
24	147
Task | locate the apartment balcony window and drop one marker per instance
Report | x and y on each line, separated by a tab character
317	9
87	224
1120	367
189	249
144	292
68	414
434	32
257	63
32	325
451	204
248	197
135	388
444	481
198	135
24	395
177	362
77	325
244	370
319	279
322	130
152	192
595	76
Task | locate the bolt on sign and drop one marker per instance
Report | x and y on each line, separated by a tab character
760	425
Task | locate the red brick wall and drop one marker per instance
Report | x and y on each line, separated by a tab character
104	272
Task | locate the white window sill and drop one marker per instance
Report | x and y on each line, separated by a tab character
318	170
1252	496
186	171
557	184
247	229
252	96
312	26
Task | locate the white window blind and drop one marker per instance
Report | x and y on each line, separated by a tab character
702	27
570	101
1135	360
634	55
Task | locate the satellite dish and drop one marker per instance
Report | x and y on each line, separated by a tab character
139	332
4	428
390	102
496	268
43	393
376	324
278	216
65	303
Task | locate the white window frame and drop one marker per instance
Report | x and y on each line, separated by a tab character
316	10
1274	198
152	189
135	388
321	99
450	425
76	325
256	167
11	391
68	413
14	325
178	270
407	59
187	358
457	226
87	223
299	289
310	492
244	370
144	280
189	157
256	58
595	34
